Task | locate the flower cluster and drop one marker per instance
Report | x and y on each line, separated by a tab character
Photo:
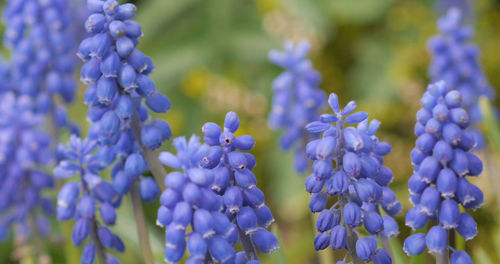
456	61
117	75
189	201
24	154
297	99
38	75
243	201
78	158
358	180
42	63
442	161
216	196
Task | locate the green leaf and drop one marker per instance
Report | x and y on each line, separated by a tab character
490	123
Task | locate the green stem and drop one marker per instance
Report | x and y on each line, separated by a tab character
94	235
150	156
247	244
352	238
443	257
280	257
142	230
387	246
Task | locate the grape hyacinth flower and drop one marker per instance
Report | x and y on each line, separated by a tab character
348	165
189	203
117	75
42	63
243	201
36	84
25	153
443	161
82	199
455	60
297	99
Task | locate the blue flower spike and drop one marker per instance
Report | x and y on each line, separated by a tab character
359	181
122	136
455	59
87	200
242	214
442	169
297	98
36	84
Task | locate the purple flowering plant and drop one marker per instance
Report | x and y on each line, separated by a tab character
203	189
37	83
348	166
443	161
297	99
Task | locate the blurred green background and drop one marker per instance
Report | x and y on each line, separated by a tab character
211	57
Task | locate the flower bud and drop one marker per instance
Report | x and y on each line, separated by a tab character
233	199
391	228
447	183
338	237
182	215
373	222
467	227
325	221
164	216
211	133
313	184
148	189
353	139
460	257
264	216
158	102
253	197
135	165
436	240
429	169
352	164
247	220
197	246
430	200
244	143
220	250
81	230
169	198
425	143
105	236
110	66
203	223
416	218
322	169
415	244
88	254
108	213
212	157
449	214
191	194
318	202
365	248
352	214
